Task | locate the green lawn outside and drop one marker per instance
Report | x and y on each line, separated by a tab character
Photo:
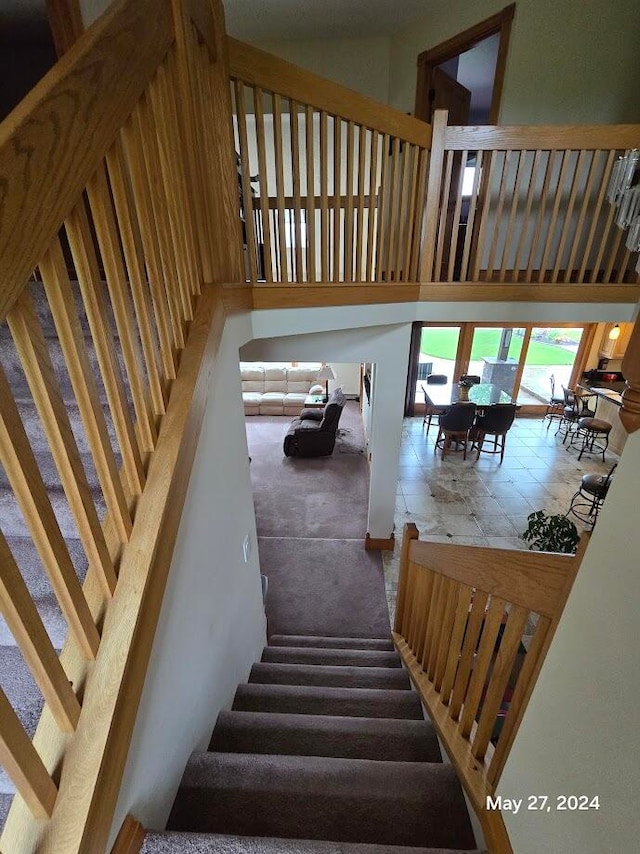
442	344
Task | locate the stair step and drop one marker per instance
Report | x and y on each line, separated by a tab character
329	676
216	843
381	739
331	643
307	700
347	800
320	655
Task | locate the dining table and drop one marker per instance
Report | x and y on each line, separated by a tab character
482	394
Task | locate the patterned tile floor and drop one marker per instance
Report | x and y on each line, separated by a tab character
483	503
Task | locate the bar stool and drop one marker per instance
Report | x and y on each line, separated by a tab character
595	436
587	501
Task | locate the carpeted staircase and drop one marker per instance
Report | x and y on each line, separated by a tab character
324	750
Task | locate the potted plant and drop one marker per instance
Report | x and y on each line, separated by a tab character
551	533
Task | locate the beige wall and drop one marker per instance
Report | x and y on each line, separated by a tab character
570	61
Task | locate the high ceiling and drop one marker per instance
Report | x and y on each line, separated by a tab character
266	20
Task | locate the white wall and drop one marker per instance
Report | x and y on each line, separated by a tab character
580	732
212	624
347	376
570	61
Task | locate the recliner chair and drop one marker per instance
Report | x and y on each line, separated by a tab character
313	432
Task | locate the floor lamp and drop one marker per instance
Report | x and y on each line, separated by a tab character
326	373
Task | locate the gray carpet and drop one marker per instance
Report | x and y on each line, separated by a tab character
311	517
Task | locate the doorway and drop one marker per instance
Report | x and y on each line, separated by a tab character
474	60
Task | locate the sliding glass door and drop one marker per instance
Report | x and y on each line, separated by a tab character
549	361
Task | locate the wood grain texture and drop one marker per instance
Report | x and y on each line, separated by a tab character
409	533
130	837
65	20
544	138
333	294
521	292
23	765
24	623
533	580
259	68
54	139
379	544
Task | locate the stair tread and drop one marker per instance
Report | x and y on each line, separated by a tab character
383	739
324	655
354	702
175	842
332	642
330	675
350	800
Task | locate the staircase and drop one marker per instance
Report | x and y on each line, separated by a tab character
324	750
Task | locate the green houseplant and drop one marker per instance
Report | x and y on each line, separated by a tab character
551	533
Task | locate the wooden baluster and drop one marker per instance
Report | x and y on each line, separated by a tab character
501	671
362	152
430	220
148	138
134	258
26	481
263	184
524	686
444	213
420	213
348	210
403	205
616	236
455	223
436	619
497	223
145	216
455	645
542	204
606	233
380	273
324	200
279	163
558	190
86	264
630	411
594	216
373	206
445	634
311	196
115	274
410	214
247	196
23	764
295	177
409	533
485	212
163	118
419	575
524	228
586	203
27	628
36	363
492	622
471	216
390	236
568	216
63	309
337	197
515	202
624	263
473	627
424	621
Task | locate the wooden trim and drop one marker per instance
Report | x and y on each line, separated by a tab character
522	292
258	68
432	204
542	138
371	544
47	155
328	293
429	59
65	20
471	772
130	837
409	533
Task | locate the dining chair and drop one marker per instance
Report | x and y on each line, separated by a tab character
453	426
470	378
437	379
431	409
495	422
570	414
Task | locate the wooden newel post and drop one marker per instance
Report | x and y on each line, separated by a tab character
432	202
410	533
630	411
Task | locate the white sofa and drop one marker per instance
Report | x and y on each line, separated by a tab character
277	391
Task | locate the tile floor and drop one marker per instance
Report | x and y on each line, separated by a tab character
483	503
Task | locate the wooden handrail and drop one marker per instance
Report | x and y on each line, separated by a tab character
53	141
461	615
534	138
259	68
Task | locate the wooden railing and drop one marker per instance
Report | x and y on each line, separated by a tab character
525	204
473	626
111	224
340	180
